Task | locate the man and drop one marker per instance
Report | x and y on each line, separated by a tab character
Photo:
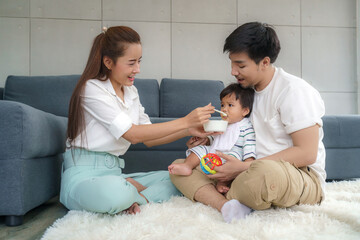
287	112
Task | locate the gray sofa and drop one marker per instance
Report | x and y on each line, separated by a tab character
33	118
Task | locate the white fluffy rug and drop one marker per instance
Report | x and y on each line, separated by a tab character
338	217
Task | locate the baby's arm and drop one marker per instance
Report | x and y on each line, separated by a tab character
249	159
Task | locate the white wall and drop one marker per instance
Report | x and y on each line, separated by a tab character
184	38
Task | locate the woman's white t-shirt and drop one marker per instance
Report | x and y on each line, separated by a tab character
286	105
107	117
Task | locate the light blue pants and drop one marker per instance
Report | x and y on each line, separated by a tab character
93	181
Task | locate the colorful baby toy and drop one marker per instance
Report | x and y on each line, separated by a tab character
208	162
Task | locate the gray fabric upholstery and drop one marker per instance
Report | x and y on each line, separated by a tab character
30	133
47	93
27	183
31	144
148	90
178	97
342	143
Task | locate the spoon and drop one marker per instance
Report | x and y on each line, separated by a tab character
220	112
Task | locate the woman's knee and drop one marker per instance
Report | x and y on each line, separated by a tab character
114	201
105	196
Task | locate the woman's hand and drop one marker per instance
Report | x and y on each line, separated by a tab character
230	170
199	116
196	141
199	132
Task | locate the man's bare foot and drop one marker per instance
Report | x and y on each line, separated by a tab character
133	209
180	169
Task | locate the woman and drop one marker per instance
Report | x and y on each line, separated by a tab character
105	117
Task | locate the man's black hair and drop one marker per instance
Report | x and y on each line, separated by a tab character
258	40
245	95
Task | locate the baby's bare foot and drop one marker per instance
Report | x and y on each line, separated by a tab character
180	169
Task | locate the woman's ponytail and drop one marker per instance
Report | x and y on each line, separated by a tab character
112	43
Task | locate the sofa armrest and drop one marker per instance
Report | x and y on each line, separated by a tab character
342	144
27	132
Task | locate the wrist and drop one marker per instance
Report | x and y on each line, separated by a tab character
187	132
185	123
244	166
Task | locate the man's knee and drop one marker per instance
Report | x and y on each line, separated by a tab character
259	186
176	178
188	185
180	160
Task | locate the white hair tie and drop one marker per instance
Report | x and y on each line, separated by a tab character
104	29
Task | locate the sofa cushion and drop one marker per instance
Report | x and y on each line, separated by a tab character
149	95
178	97
48	93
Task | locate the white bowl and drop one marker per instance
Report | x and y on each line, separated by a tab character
215	126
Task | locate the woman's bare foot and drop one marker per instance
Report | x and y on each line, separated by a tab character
139	187
180	169
133	209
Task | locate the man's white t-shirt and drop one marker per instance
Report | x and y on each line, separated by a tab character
107	117
286	105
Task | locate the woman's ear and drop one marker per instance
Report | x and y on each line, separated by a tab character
107	62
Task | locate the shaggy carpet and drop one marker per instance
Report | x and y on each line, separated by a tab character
338	217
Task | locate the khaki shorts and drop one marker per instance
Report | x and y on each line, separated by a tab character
266	183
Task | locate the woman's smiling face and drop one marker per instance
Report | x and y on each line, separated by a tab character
126	67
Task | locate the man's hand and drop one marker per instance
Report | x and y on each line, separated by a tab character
231	169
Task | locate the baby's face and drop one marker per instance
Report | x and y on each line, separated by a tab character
232	107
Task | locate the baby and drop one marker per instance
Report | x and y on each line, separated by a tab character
238	139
